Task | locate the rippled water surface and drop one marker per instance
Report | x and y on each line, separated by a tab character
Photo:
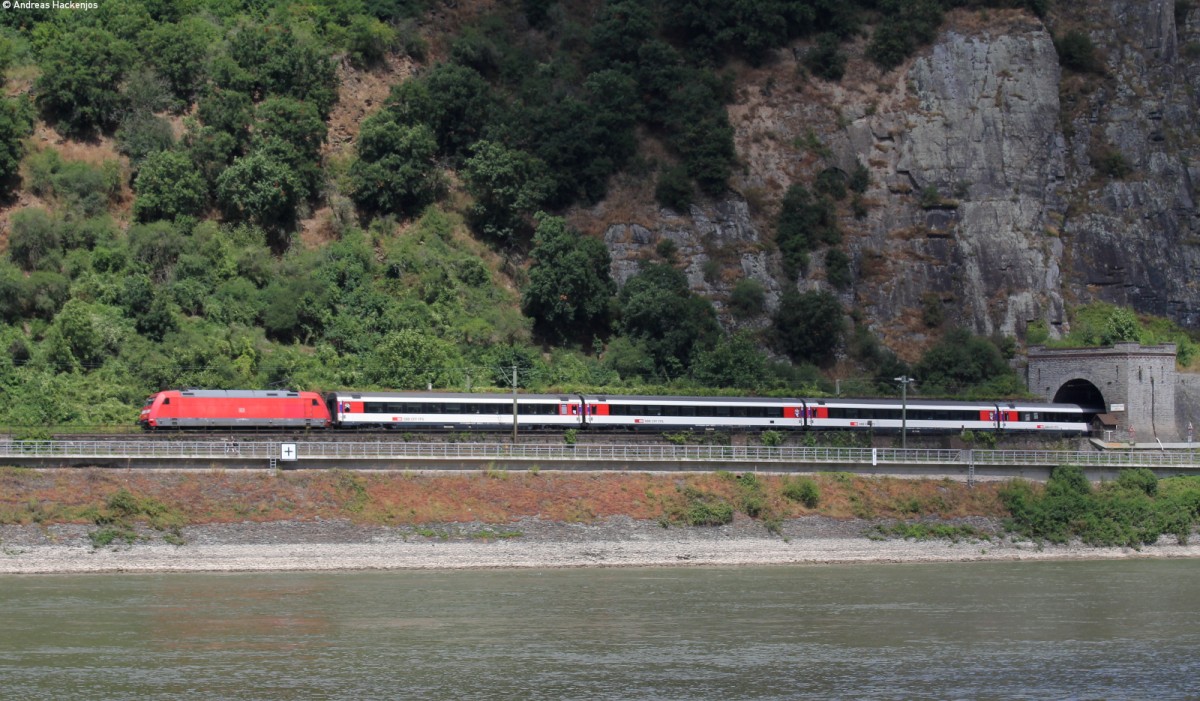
988	630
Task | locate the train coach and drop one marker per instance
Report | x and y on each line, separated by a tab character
448	410
932	416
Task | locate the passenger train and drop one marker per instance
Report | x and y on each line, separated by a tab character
416	411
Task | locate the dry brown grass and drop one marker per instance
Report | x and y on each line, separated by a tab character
494	496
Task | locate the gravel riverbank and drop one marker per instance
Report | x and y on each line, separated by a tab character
530	543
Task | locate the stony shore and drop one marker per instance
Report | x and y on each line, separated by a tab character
531	543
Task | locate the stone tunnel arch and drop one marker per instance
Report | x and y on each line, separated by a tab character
1133	383
1082	392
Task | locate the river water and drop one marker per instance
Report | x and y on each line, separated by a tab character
1087	630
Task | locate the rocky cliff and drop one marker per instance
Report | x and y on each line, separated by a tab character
1003	188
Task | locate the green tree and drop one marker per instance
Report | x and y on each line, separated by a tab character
666	319
910	23
396	171
369	40
168	185
296	309
459	104
411	359
15	125
825	59
179	50
508	186
227	110
961	361
211	151
89	334
809	326
143	133
292	121
735	361
45	293
261	190
79	88
569	290
12	292
275	60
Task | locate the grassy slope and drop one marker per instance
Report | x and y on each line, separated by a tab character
497	496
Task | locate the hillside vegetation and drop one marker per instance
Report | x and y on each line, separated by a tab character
175	214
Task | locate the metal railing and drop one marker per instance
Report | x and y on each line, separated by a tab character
594	453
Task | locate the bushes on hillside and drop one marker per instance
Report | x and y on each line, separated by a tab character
1133	511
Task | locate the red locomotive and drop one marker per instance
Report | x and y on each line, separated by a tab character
218	408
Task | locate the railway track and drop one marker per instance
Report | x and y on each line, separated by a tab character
532	437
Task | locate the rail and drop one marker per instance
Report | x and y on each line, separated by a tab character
317	452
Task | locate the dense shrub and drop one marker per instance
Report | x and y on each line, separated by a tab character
733	362
1077	52
802	224
803	490
961	362
809	326
748	298
34	242
837	269
825	59
168	185
1131	512
674	189
83	187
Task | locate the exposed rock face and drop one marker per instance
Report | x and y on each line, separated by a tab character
1134	240
992	194
968	180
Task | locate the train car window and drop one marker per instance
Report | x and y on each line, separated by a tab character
704	411
453	409
687	411
720	411
670	411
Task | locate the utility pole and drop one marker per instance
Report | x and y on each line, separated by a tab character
904	380
514	369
